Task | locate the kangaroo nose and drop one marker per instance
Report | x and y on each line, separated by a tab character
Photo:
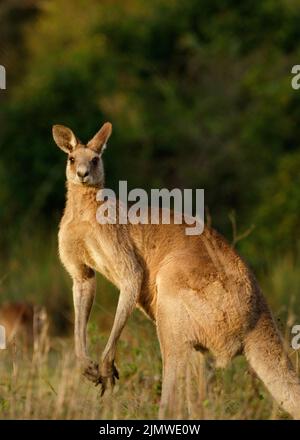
82	173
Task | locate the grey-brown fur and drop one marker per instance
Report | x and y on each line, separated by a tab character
196	289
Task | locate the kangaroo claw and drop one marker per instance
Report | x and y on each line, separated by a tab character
103	380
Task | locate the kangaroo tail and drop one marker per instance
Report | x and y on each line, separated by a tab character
265	352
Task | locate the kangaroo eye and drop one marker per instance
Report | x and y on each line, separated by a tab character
95	160
71	159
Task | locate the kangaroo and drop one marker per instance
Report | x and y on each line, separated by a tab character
23	322
196	288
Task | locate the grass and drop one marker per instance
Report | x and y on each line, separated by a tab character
47	384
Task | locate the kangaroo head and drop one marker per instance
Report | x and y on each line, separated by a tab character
85	166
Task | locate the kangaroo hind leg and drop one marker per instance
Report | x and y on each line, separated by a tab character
176	348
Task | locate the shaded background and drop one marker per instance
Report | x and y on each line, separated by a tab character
199	94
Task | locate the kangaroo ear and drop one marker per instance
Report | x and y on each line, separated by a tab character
64	138
98	143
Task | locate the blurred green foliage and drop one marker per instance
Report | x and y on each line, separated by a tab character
198	92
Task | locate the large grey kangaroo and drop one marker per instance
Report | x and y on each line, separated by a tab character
196	289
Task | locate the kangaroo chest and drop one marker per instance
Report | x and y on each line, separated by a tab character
80	244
